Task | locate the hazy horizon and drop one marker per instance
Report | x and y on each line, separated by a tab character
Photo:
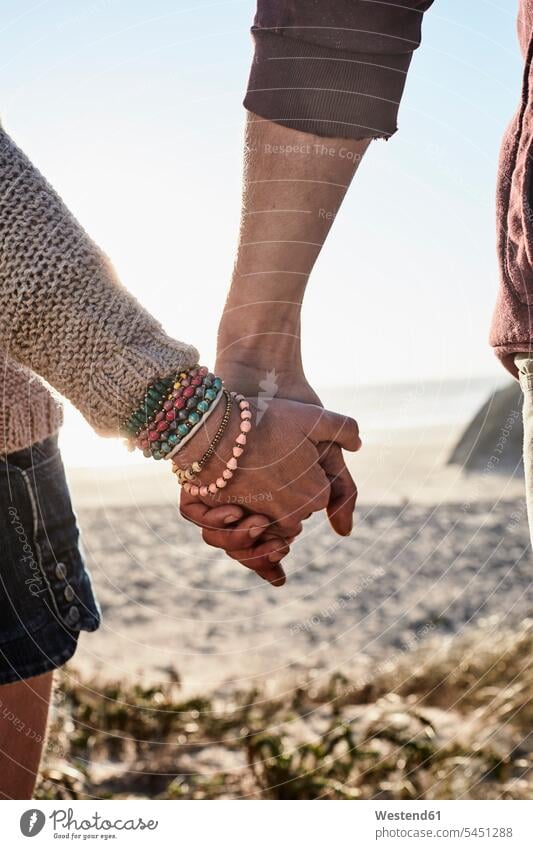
381	408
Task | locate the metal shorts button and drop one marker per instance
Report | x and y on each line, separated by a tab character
61	571
73	615
69	593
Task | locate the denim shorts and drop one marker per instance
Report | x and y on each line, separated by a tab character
46	596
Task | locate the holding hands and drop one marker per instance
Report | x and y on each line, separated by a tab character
295	451
287	465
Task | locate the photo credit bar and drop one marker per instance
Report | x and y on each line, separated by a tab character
313	824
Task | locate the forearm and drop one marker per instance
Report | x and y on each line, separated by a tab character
325	79
294	185
63	312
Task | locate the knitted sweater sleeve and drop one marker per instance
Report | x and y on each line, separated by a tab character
63	312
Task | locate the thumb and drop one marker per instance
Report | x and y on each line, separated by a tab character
324	426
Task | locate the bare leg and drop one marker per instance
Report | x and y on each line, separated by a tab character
23	717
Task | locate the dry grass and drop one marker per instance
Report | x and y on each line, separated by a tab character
451	720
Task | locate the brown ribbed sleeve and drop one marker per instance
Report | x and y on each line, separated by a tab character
333	67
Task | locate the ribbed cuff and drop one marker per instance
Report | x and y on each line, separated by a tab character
29	415
325	92
117	387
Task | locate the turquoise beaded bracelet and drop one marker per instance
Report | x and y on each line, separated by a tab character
172	408
153	400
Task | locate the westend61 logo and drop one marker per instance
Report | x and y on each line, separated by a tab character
65	824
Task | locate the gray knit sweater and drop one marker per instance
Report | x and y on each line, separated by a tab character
65	316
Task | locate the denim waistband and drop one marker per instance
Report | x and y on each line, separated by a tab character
34	455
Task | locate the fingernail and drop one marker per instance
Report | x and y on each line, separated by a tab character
275	557
255	532
229	519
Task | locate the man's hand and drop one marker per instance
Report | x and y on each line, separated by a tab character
240	535
294	186
292	193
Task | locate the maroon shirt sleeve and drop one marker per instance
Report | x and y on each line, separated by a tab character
333	67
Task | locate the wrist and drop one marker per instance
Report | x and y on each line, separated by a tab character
262	377
260	336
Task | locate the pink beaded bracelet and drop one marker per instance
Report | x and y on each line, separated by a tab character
237	452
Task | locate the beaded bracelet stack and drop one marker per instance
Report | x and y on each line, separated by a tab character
186	477
189	475
171	409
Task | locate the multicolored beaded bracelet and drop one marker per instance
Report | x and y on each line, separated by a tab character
172	430
237	452
204	416
172	408
189	474
153	400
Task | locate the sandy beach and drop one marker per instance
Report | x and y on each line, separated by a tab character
433	553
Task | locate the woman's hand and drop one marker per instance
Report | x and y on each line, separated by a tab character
287	380
280	472
280	468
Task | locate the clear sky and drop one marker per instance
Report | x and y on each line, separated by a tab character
133	111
